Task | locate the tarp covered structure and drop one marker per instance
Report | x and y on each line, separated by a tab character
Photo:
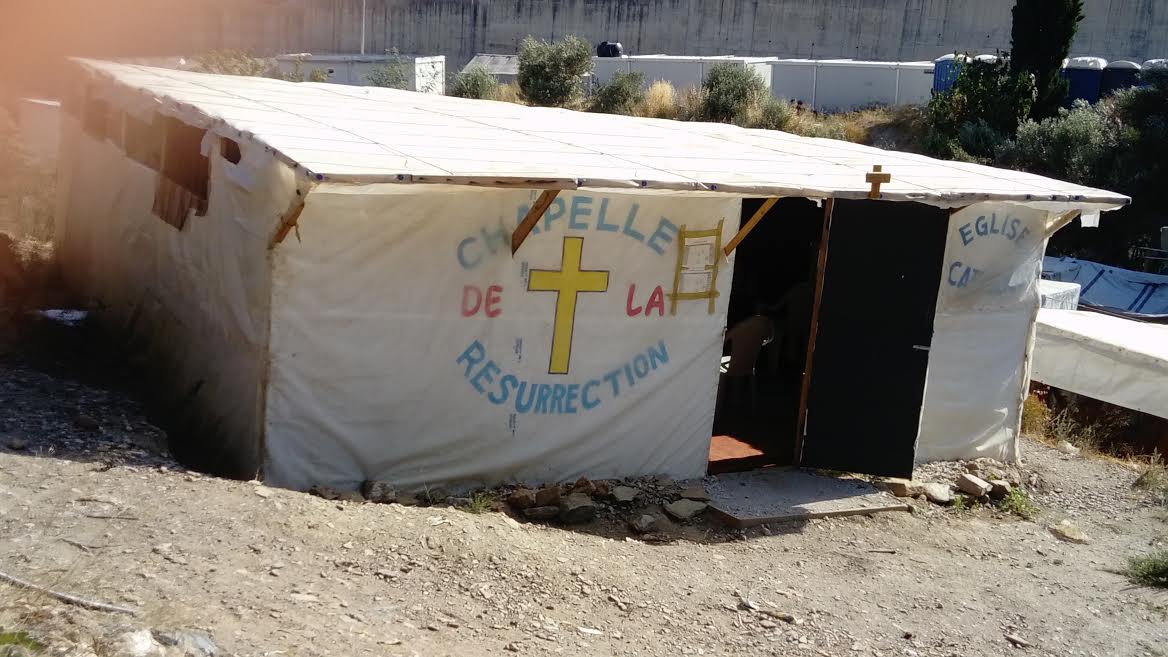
1133	293
1116	360
331	296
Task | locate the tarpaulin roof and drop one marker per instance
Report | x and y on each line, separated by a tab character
366	135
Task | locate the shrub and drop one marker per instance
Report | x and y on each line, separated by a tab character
773	114
985	91
550	73
391	74
980	140
1149	570
659	102
620	94
1077	145
691	104
730	91
475	82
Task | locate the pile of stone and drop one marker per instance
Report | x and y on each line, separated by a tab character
570	503
983	480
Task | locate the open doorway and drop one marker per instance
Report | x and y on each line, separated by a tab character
768	322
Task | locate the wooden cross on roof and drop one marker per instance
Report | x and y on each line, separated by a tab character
877	178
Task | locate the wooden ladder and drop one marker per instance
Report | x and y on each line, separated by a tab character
699	237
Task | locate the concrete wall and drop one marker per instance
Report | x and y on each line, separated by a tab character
890	30
34	34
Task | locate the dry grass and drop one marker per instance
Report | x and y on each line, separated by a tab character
1149	570
509	93
660	102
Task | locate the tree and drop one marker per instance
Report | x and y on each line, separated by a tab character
550	73
1040	39
730	91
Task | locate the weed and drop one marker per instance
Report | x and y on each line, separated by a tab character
1020	504
689	105
960	503
1036	417
1149	570
773	114
1154	478
481	503
391	74
18	639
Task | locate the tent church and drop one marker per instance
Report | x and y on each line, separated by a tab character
330	284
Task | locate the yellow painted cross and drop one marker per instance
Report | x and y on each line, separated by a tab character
567	283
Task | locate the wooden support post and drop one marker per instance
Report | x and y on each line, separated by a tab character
288	223
805	390
877	178
533	216
737	239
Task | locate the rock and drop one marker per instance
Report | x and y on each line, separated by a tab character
577	508
697	493
975	486
324	492
937	493
188	643
1067	448
625	494
1001	489
378	492
86	423
521	498
972	466
902	487
17	444
684	509
14	650
584	485
459	502
603	488
548	496
263	492
1069	532
643	524
351	496
138	644
541	512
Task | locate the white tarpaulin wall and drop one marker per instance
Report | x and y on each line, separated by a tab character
195	301
1116	360
408	345
982	332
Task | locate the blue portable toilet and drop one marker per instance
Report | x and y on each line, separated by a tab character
945	72
1154	64
1119	75
1085	75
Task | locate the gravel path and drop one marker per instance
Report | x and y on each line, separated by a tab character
91	504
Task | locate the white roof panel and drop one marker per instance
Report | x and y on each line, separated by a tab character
366	134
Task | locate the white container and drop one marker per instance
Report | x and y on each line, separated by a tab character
680	71
425	74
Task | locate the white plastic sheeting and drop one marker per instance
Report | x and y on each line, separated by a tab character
197	300
408	345
1119	361
982	332
362	134
1059	295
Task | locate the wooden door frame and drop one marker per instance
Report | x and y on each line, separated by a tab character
805	389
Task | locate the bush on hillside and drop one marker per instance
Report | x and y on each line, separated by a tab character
620	95
730	91
475	82
984	91
550	73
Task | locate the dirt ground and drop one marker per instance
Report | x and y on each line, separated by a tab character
91	504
